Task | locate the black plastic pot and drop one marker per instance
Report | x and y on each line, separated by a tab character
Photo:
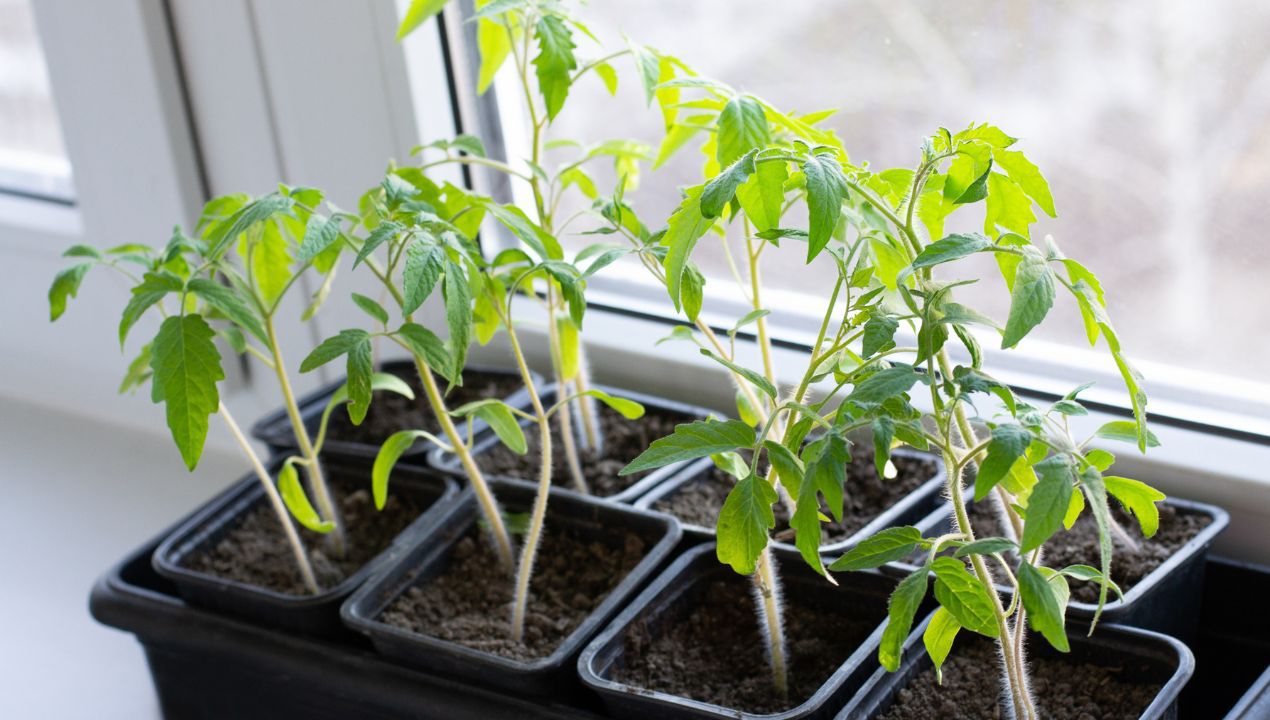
1167	600
429	555
1143	654
1232	647
485	441
317	614
911	509
206	665
274	429
670	598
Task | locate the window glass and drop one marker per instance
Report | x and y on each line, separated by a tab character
32	158
1150	118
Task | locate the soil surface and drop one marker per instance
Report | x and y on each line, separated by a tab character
1063	690
624	440
390	412
866	496
715	653
1079	546
256	550
471	602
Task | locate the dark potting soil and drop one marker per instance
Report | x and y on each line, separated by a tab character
866	495
471	602
390	412
256	550
1079	546
715	653
1063	690
624	440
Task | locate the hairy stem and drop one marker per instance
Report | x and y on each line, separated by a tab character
767	585
313	468
539	513
275	500
564	414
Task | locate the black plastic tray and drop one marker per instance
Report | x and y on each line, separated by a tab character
1167	600
911	509
484	441
206	665
1232	647
669	597
318	613
1162	658
274	429
551	675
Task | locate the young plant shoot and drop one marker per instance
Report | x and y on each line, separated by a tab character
234	272
876	228
425	231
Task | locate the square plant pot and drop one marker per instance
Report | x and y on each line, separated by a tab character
447	559
213	666
692	628
388	413
908	508
660	418
1166	599
1123	666
1232	647
417	500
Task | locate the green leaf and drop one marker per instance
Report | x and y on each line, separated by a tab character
138	371
1084	572
498	415
985	546
744	520
271	262
888	261
65	285
879	334
883	385
900	610
953	247
297	501
332	348
693	440
1048	503
153	288
964	597
458	316
382	233
1125	431
883	434
976	190
693	291
826	189
371	307
223	233
742	128
763	195
426	345
1139	498
425	262
720	191
389	453
554	63
1027	177
785	464
186	369
755	378
684	228
1030	300
881	548
1043	608
628	409
319	234
495	47
938	639
1091	482
419	12
513	218
227	301
1008	444
360	367
1008	207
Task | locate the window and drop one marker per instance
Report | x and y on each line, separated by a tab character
33	160
1151	121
